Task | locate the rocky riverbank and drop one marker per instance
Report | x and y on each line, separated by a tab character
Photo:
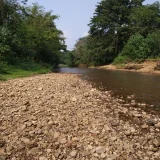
60	116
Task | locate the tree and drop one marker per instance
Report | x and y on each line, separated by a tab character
41	35
29	33
110	25
81	51
145	19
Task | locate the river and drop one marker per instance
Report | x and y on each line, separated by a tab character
145	87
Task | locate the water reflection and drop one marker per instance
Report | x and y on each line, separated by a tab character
145	87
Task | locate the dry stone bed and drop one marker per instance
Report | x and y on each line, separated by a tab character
61	117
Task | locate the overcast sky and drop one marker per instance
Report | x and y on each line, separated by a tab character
74	16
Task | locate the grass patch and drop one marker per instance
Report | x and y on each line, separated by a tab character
22	70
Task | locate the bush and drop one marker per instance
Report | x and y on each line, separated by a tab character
136	48
153	41
121	59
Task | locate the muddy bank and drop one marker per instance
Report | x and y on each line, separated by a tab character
60	116
149	66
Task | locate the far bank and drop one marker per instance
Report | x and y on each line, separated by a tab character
148	66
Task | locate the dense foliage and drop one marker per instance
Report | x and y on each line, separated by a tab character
120	30
28	34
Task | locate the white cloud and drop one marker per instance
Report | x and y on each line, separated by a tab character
85	34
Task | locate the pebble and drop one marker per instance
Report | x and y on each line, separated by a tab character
151	122
56	135
43	158
100	149
73	153
157	125
144	126
63	141
127	133
156	142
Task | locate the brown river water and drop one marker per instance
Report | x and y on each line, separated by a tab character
145	87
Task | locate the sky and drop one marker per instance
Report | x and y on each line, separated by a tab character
74	16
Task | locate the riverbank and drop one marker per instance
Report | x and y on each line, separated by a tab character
149	66
22	70
60	116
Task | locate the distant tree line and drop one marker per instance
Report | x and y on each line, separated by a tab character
120	31
29	33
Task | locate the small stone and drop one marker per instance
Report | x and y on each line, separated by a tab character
9	149
50	123
49	150
24	108
40	89
95	155
127	133
53	157
56	135
31	132
113	139
43	158
151	122
103	155
156	143
129	97
138	115
133	130
86	153
29	124
63	141
23	127
75	139
39	131
74	99
94	132
157	125
73	153
2	151
25	140
144	126
89	147
27	103
100	149
20	147
143	104
30	144
33	151
2	143
133	102
3	157
157	155
114	124
13	158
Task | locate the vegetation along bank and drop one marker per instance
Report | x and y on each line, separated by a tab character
30	42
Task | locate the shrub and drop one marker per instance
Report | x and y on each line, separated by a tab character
136	48
153	41
121	59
